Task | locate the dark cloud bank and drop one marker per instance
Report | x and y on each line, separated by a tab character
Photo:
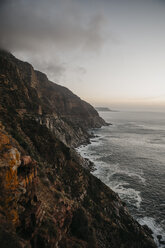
50	29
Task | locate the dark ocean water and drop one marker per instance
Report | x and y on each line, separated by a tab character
129	157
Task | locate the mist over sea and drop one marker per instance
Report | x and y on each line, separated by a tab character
129	157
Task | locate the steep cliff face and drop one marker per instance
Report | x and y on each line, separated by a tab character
56	203
48	198
25	91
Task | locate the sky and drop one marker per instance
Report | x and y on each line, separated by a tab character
109	52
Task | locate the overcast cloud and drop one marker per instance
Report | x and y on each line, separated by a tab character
38	24
45	31
105	51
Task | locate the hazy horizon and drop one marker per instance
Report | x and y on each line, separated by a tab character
110	53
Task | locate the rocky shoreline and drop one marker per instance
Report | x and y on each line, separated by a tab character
90	166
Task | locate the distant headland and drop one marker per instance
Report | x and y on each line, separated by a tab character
105	109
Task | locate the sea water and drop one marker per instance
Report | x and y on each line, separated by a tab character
129	157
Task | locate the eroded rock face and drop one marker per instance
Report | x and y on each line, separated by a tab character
9	162
18	180
48	198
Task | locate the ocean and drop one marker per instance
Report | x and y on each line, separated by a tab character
129	157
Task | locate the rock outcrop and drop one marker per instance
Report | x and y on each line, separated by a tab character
48	199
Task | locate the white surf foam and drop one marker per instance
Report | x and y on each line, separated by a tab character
156	228
106	172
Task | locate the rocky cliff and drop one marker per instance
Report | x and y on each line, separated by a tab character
48	199
25	91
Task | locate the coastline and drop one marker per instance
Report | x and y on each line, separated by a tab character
148	223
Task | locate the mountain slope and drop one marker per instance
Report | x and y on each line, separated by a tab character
47	198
